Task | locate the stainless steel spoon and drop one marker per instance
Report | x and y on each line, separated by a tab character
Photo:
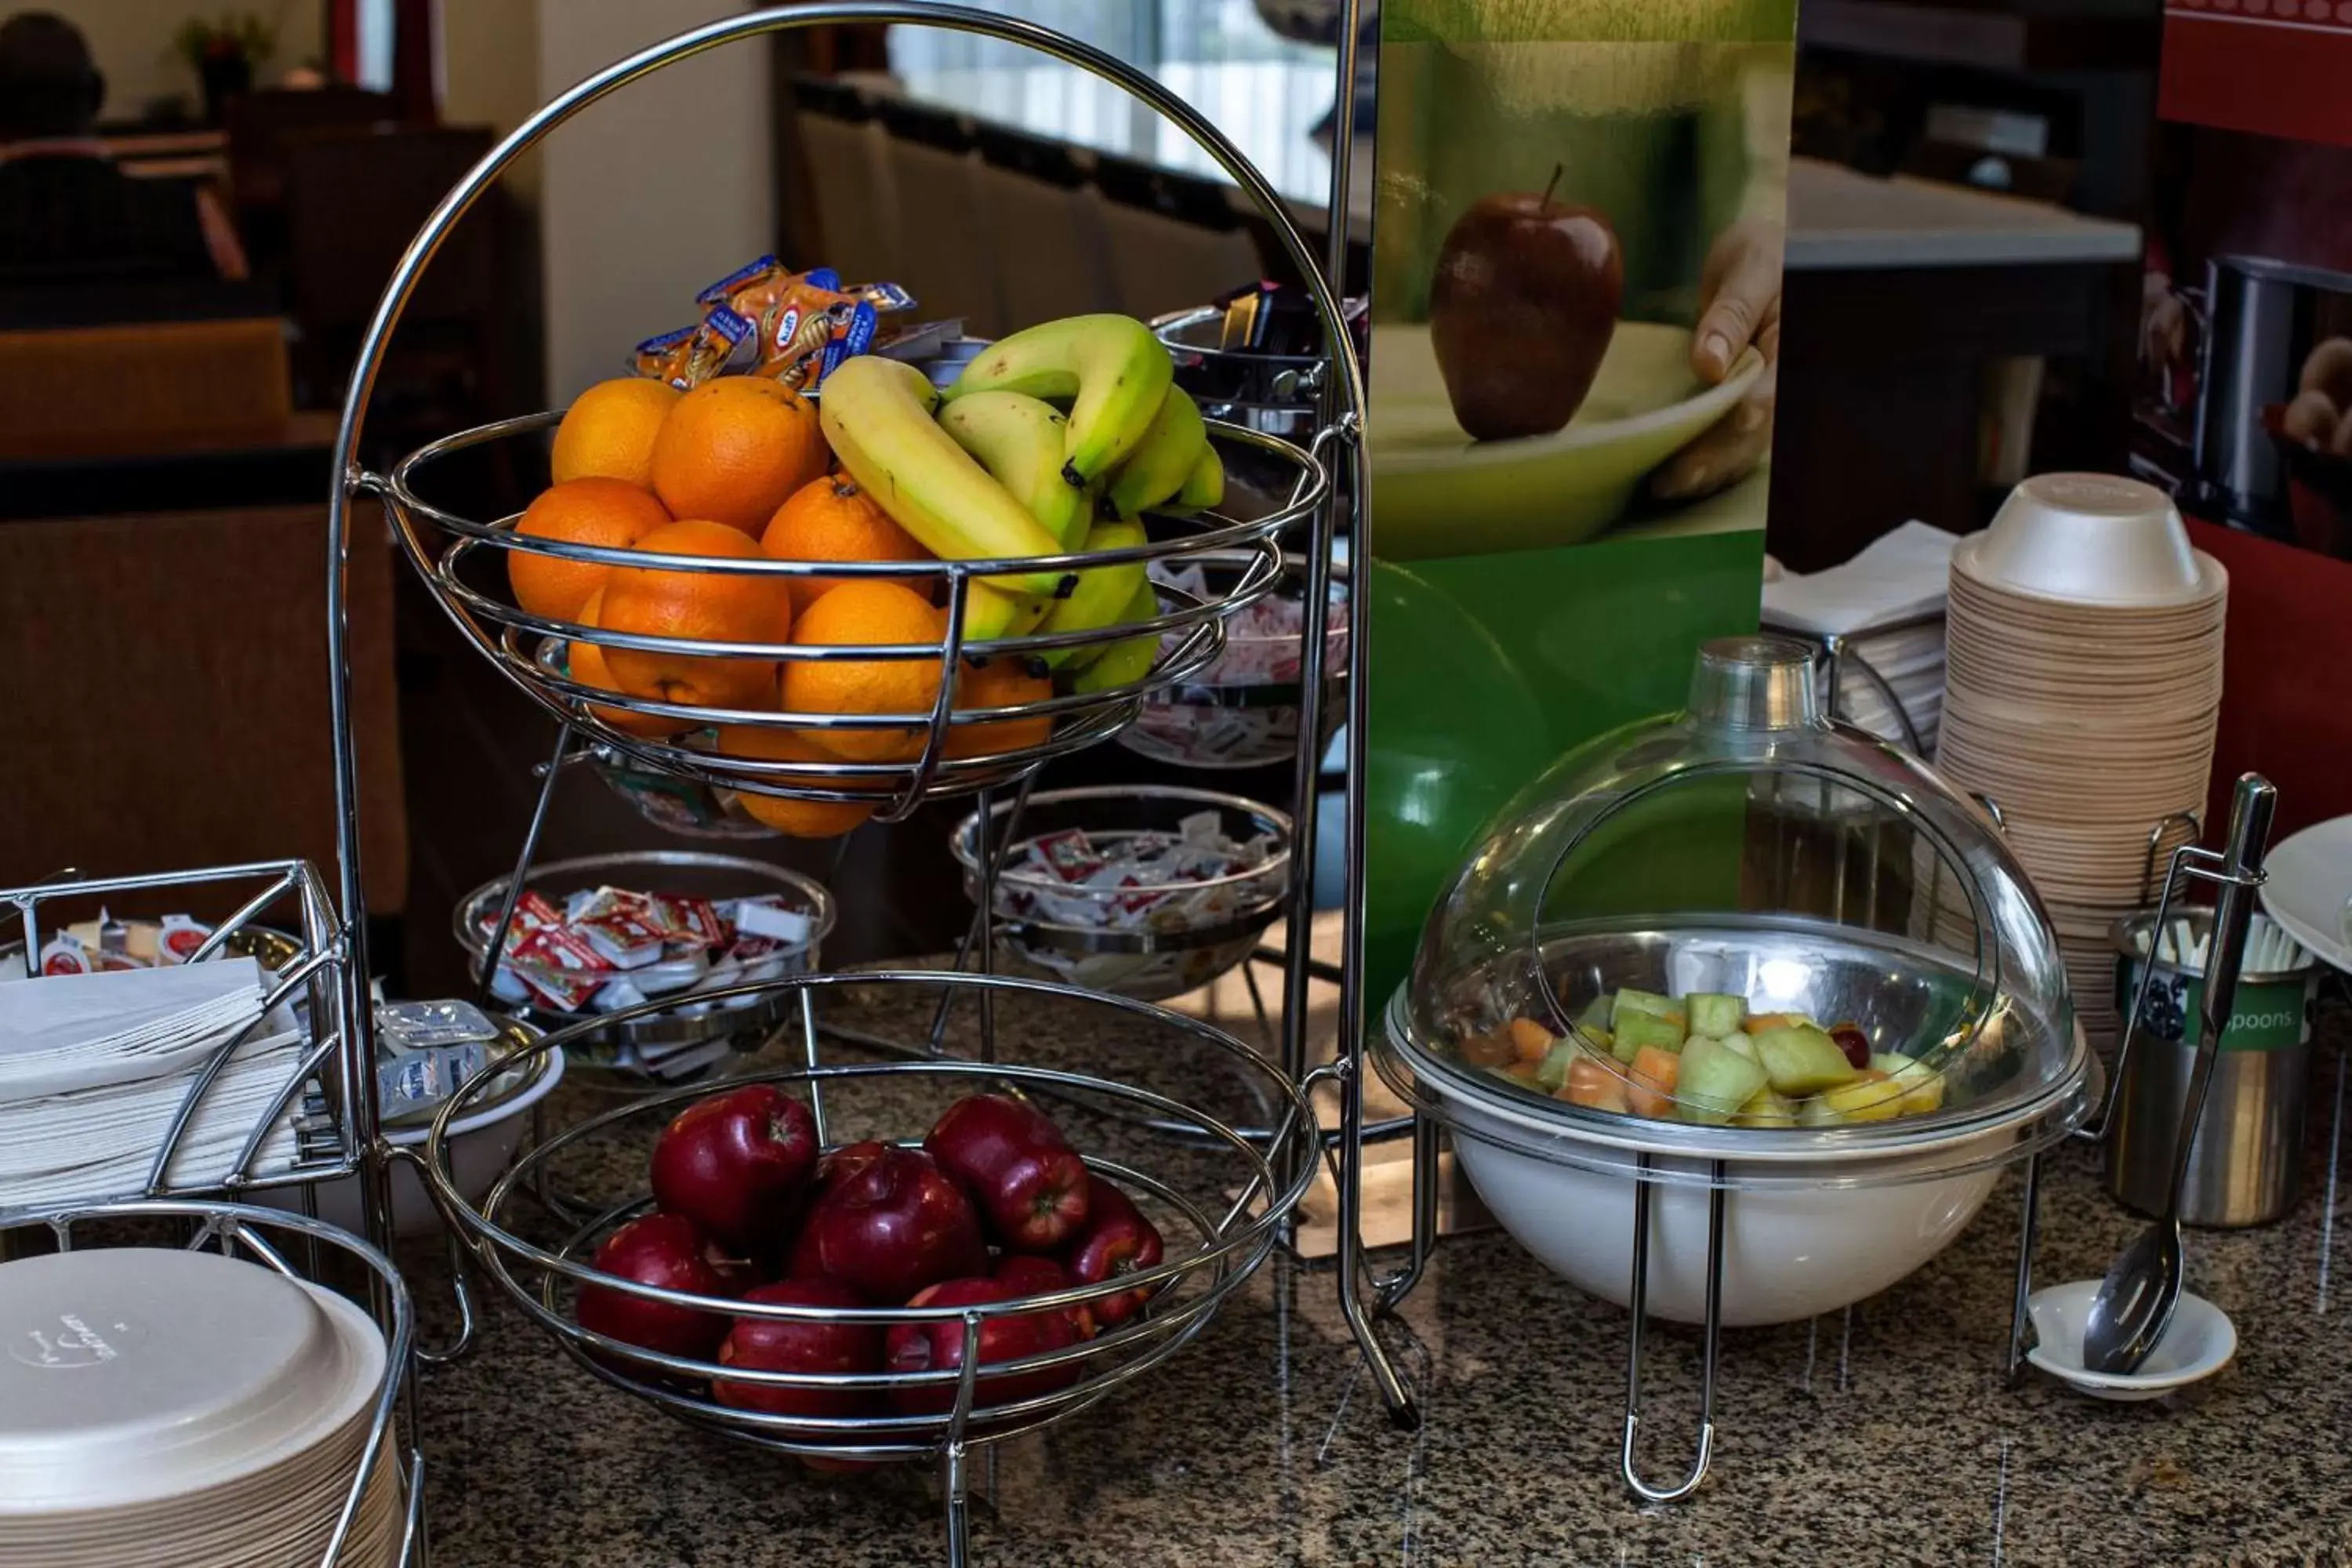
2135	1301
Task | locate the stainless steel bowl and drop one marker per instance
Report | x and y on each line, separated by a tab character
1818	1217
683	1023
1275	394
1148	962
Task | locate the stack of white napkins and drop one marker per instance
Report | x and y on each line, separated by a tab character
1904	577
94	1068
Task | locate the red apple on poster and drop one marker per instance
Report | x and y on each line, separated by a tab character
1030	1187
1117	1240
668	1251
736	1164
888	1222
939	1347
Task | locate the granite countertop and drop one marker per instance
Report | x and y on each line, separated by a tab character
1879	1436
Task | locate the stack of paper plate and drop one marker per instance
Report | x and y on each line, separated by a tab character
2083	684
183	1408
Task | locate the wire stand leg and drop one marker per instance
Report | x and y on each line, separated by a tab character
1395	1392
494	954
2029	1228
1638	1304
1399	1285
958	1476
990	856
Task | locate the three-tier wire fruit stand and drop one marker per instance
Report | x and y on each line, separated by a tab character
1231	1179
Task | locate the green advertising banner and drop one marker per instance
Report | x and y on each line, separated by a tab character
1576	263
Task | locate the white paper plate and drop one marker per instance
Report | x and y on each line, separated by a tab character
2310	878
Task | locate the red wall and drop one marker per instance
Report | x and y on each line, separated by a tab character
2287	701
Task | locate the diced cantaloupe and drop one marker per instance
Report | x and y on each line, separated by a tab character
1529	1040
1593	1085
1650	1081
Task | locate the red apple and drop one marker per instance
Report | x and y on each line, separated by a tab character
1027	1276
888	1222
1013	1162
779	1345
1117	1240
1521	308
665	1250
736	1163
939	1347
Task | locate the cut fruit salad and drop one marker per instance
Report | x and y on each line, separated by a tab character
1705	1057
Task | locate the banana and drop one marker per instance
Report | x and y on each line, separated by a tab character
1128	661
990	612
877	414
1102	594
1204	487
1111	368
1156	470
1019	440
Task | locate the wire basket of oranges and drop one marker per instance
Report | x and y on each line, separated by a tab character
835	603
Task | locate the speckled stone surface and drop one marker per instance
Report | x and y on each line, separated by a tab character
1878	1436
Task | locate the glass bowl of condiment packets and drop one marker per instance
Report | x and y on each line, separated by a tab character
1141	892
593	935
1242	711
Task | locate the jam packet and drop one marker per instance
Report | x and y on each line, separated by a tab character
404	1028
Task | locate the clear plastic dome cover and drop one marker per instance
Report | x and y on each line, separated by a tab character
1742	929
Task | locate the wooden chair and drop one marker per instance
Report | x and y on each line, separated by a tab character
354	200
850	176
1052	251
1175	241
142	388
169	706
948	249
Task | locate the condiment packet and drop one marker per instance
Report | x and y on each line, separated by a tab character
767	917
62	954
421	1080
404	1028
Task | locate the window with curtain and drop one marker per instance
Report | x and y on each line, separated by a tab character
1268	92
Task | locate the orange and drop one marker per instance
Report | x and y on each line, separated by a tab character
734	449
588	668
797	818
717	605
1001	682
860	614
831	518
608	432
579	512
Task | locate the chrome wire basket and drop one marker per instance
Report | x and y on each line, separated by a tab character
1220	1198
945	751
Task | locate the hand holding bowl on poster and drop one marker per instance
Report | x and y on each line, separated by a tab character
1526	414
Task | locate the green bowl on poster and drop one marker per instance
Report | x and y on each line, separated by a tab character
1436	492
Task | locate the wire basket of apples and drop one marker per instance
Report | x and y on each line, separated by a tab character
866	1261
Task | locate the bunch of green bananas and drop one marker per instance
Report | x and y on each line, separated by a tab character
1054	441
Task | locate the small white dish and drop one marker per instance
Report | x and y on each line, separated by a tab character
2197	1344
2308	889
2089	538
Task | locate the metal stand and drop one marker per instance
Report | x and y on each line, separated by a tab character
503	632
2237	866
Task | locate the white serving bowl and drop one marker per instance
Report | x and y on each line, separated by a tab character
481	1146
1815	1218
1789	1253
2197	1343
2090	537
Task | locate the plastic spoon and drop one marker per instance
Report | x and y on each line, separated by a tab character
2135	1301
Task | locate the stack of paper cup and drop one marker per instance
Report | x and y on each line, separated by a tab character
2084	652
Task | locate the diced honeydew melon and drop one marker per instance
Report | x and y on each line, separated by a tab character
1714	1015
1867	1099
1714	1081
1596	1013
1600	1039
1635	1030
1922	1086
1802	1061
1766	1109
1632	1001
1552	1071
1742	1043
1813	1113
